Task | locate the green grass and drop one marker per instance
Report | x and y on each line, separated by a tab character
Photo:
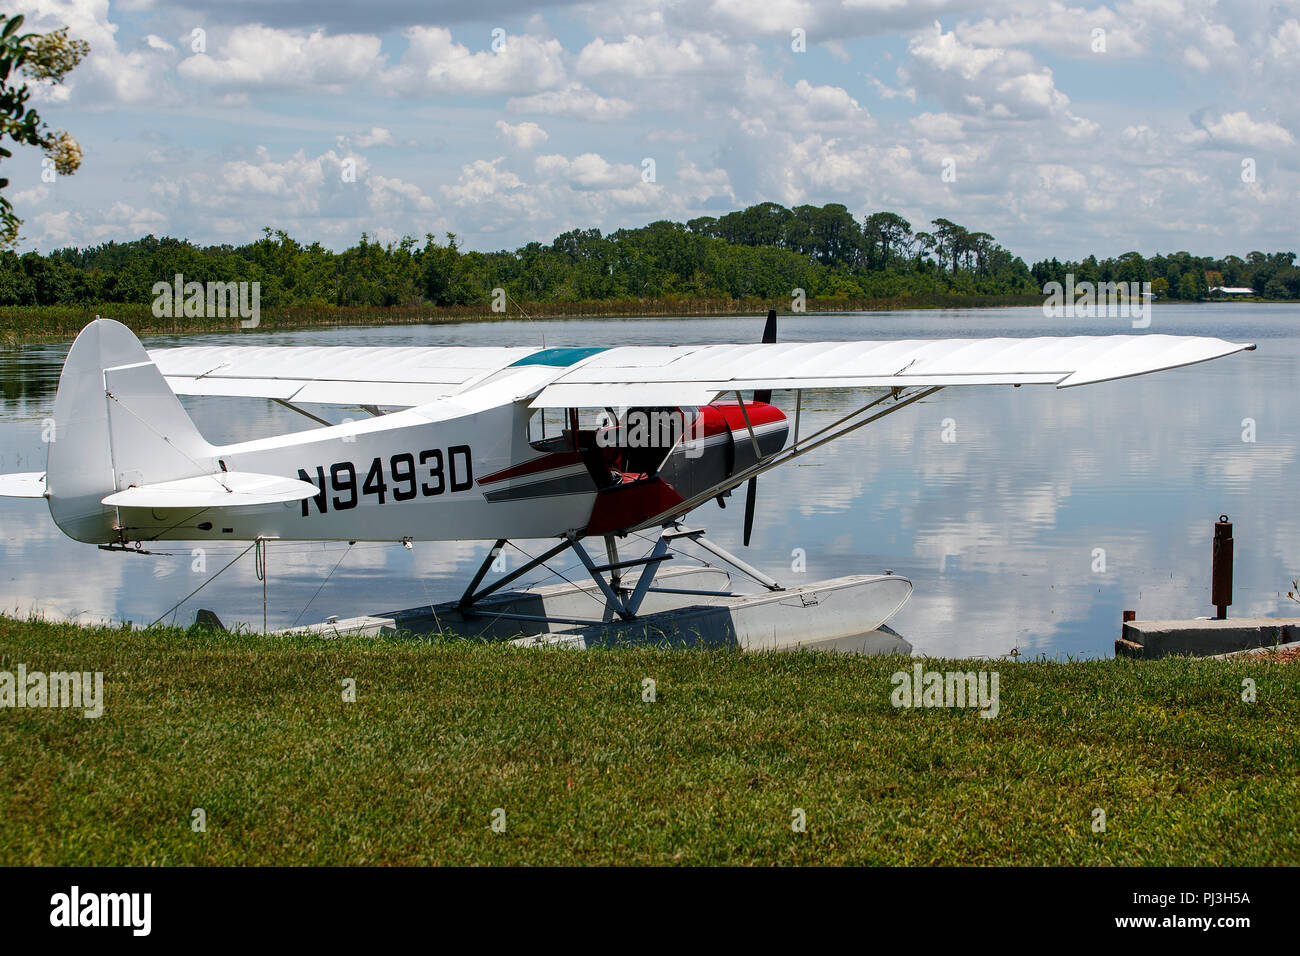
255	731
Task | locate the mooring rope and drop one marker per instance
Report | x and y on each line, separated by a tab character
322	586
203	585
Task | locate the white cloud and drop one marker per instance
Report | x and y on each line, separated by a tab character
1239	129
820	21
1284	46
587	171
1057	177
392	196
1215	43
1196	59
576	101
937	126
714	92
525	135
1066	30
89	225
308	195
655	56
828	102
703	185
31	197
434	62
569	191
886	92
993	82
482	180
110	75
376	136
837	49
258	56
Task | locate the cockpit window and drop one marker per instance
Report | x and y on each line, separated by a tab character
553	429
618	444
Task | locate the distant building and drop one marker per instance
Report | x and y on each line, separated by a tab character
1231	290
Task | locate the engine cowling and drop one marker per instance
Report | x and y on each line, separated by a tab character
715	443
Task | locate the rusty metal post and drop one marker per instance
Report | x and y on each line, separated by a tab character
1221	567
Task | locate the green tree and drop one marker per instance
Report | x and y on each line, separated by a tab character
438	269
885	234
952	242
760	225
44	58
1131	267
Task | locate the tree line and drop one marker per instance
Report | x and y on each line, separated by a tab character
766	250
1181	275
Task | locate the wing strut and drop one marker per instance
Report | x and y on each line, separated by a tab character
615	598
893	400
301	411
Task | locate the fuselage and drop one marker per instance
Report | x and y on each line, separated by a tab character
469	469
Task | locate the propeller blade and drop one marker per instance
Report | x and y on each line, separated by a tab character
760	395
750	492
769	336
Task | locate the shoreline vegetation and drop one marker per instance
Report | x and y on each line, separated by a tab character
739	263
256	731
21	325
24	324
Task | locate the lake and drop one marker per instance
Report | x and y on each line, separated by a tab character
1028	518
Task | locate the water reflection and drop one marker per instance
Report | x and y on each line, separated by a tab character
1000	529
29	376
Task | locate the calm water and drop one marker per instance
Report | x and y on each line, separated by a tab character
998	529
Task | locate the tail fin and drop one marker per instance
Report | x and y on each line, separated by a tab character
117	423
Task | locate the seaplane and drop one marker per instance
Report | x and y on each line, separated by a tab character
578	445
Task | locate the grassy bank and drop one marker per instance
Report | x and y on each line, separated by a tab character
43	323
255	731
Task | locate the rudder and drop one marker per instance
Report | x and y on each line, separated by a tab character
117	423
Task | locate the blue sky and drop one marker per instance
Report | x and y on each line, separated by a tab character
1071	128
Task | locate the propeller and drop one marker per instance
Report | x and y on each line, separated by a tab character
760	395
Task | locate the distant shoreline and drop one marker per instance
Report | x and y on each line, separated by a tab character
33	324
23	324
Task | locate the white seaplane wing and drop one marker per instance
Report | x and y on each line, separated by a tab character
694	375
404	377
392	376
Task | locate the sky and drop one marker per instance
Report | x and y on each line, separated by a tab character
1061	129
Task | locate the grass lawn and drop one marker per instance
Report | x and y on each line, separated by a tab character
255	731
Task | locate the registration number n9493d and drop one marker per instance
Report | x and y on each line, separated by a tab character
402	477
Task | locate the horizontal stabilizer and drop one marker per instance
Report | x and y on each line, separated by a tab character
224	489
28	484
